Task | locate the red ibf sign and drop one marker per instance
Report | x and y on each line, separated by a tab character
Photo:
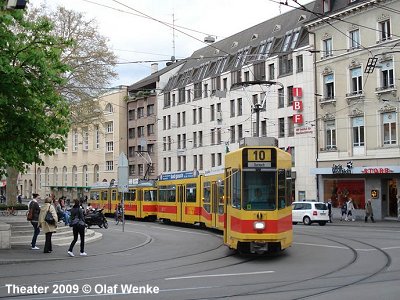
297	105
376	171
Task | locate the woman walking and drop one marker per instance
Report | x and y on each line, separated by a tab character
48	228
78	226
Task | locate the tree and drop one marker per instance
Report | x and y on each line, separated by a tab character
91	62
33	114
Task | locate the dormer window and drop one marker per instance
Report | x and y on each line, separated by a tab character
326	4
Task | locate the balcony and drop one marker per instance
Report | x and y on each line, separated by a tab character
391	88
355	95
327	100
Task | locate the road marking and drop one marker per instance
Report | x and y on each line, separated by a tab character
219	275
319	245
184	231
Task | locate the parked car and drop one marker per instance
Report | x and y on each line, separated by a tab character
309	212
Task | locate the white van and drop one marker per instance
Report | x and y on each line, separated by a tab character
309	212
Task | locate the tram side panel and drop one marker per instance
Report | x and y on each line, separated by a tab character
212	207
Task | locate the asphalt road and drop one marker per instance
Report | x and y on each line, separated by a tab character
337	261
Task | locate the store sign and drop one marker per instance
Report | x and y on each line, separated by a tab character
376	171
297	105
374	194
339	169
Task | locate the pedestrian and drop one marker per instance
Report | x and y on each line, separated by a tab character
330	211
47	228
19	198
368	211
78	227
350	209
34	206
343	210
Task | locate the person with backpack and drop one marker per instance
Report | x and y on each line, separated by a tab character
78	226
33	217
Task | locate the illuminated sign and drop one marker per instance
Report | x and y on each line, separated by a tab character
376	171
374	194
258	158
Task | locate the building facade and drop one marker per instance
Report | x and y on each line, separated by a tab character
356	63
258	82
91	154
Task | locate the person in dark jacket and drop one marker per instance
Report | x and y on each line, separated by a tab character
77	221
34	205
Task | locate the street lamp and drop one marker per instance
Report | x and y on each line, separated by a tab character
257	106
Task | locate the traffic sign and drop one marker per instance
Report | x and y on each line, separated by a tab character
122	173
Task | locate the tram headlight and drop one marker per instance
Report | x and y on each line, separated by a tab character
259	225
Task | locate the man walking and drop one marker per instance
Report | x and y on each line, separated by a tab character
369	212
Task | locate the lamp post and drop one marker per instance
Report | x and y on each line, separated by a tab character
257	106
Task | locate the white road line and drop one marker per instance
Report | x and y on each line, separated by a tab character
319	245
346	248
219	275
184	231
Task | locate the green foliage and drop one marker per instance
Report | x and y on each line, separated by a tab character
33	115
16	206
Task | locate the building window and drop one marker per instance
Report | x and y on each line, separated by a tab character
259	71
131	133
329	87
164	122
178	119
150	109
109	108
239	107
264	128
131	170
194	116
299	63
167	99
110	127
109	146
212	112
290	126
247	76
75	140
281	127
140	131
384	31
213	160
387	75
181	95
195	162
281	98
169	122
240	131
165	164
232	107
169	164
232	133
271	71
330	130
169	142
200	111
109	165
285	65
201	162
197	90
96	173
131	114
150	129
356	81
200	138
97	137
290	95
205	90
225	84
389	128
183	119
131	151
219	159
85	137
358	131
327	48
213	136
140	112
354	39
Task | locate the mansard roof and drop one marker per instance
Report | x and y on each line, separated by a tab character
247	44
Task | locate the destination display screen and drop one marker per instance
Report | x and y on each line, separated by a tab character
259	157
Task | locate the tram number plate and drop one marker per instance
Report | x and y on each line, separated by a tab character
259	155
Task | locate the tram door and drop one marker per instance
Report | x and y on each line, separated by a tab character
180	203
138	202
214	204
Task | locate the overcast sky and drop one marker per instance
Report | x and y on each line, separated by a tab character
134	35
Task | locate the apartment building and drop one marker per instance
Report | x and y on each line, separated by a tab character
356	62
91	154
143	122
257	82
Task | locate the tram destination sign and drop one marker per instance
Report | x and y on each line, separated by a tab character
259	157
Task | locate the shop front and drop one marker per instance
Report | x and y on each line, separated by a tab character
340	182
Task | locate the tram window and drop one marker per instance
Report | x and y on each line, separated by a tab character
129	196
150	195
206	192
259	190
221	197
167	193
114	195
104	195
191	192
281	189
236	189
94	196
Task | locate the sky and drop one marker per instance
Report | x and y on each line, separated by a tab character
137	32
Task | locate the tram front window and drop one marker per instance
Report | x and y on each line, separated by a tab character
259	190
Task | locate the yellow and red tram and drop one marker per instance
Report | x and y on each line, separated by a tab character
248	199
258	207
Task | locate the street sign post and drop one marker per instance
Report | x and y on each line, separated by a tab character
123	183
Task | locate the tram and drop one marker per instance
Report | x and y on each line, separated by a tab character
258	215
248	199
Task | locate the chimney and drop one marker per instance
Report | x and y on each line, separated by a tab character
154	67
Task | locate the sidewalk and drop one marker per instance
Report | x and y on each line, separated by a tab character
111	242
